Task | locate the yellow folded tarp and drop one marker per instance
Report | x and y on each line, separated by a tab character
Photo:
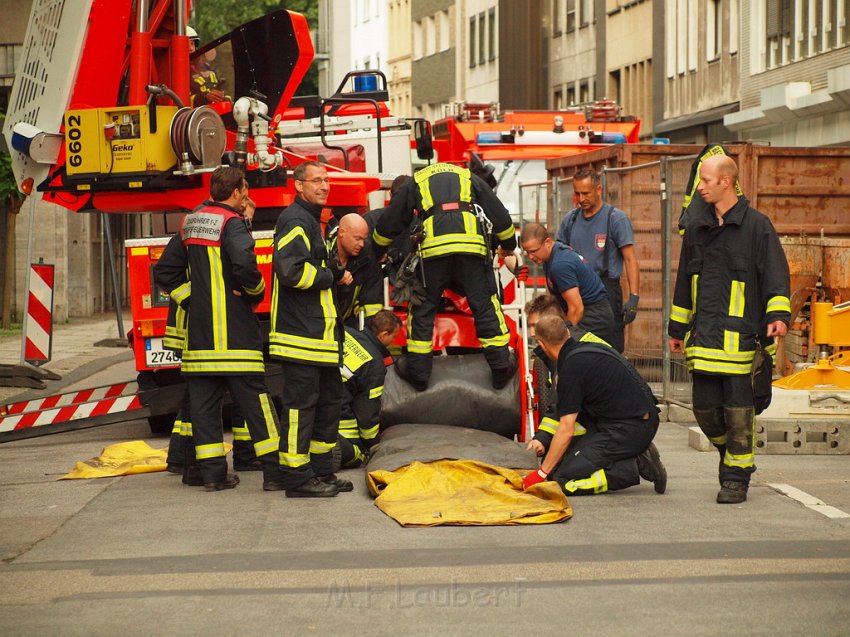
464	492
121	459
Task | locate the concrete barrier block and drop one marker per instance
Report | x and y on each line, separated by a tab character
698	440
676	413
802	436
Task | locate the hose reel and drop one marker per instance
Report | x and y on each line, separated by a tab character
198	138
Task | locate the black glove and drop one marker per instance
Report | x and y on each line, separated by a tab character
630	309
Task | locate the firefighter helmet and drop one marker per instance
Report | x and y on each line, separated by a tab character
193	36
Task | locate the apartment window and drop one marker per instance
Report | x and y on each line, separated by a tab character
670	23
430	35
556	17
482	41
584	92
681	40
571	16
733	27
491	33
584	13
797	29
558	100
712	30
472	56
417	40
443	31
571	95
693	37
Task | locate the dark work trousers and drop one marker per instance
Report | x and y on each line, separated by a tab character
249	392
599	320
473	277
243	446
181	434
615	298
603	459
723	407
311	405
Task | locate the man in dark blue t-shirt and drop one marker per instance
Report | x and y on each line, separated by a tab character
578	288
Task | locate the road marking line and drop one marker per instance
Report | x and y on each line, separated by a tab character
809	501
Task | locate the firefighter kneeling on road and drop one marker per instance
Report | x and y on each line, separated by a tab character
612	450
364	366
457	212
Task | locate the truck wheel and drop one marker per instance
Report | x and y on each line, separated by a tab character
162	424
545	392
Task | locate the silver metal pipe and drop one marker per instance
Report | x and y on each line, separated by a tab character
179	17
142	16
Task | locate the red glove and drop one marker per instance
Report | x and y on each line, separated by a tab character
522	273
533	478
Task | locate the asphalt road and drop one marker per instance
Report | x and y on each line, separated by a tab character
144	555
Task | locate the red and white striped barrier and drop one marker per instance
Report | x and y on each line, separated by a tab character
72	406
38	327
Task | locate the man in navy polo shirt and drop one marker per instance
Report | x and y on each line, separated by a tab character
577	287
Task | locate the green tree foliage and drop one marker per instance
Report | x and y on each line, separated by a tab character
214	18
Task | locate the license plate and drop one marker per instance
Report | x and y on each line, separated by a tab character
156	356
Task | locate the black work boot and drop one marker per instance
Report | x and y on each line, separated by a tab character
402	368
651	468
502	375
313	488
252	465
732	492
340	484
230	481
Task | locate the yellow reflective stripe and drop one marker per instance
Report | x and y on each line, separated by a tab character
229	355
465	187
549	425
694	289
293	460
376	392
267	446
298	232
306	342
717	440
329	311
291	454
425	194
496	341
177	428
497	308
470	223
590	337
211	367
420	347
181	292
680	314
186	429
743	461
720	354
214	450
347	426
241	433
304	355
736	299
597	481
370	433
371	309
217	298
380	239
731	341
261	287
320	447
778	304
507	233
718	367
579	429
308	276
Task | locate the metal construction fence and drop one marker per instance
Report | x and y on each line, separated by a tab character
651	195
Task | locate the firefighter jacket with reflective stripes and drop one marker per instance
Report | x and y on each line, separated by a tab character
175	328
213	258
304	327
363	370
366	292
733	280
445	195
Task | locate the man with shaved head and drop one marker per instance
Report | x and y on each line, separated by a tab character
732	295
361	287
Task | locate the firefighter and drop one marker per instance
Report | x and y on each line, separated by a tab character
350	246
732	294
206	85
364	366
459	215
306	339
617	411
211	265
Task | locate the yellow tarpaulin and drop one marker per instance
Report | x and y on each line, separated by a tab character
124	458
464	492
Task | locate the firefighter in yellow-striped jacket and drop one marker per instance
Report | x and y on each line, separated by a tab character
455	254
213	257
364	366
732	292
306	339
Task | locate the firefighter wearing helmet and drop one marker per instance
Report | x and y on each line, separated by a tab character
206	85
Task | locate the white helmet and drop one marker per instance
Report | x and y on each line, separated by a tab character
193	35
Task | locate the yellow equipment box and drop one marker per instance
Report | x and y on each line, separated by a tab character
118	140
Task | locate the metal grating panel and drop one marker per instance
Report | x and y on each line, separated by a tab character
46	73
